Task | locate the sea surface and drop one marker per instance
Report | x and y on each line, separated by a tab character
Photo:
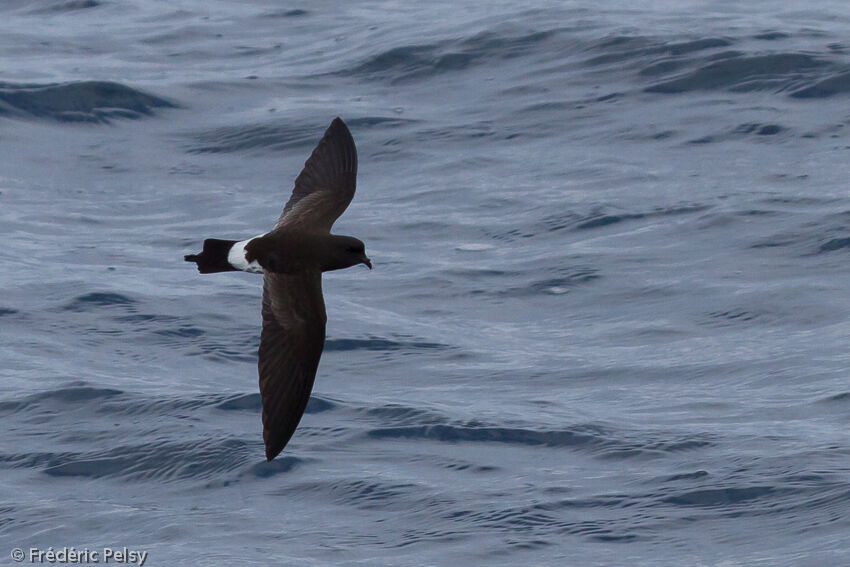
608	323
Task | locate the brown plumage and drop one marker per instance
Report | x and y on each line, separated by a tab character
292	258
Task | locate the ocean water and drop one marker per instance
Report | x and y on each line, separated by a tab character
608	320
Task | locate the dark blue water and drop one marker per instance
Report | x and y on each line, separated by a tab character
608	320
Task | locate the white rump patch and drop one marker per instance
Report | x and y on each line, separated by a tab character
236	258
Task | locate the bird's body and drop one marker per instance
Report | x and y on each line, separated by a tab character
292	257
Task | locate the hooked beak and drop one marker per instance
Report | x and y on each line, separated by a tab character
366	261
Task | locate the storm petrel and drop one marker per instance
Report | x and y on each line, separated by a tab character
292	257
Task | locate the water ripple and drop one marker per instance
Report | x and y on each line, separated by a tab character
84	101
598	440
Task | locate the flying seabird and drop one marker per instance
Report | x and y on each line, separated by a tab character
292	257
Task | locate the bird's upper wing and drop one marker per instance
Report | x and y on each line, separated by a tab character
326	185
290	347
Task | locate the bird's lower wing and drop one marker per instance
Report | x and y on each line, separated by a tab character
290	347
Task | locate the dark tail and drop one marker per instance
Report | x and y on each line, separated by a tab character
214	256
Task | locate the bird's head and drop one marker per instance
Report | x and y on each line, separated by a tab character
347	251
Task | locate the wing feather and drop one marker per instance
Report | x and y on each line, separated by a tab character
291	344
326	185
